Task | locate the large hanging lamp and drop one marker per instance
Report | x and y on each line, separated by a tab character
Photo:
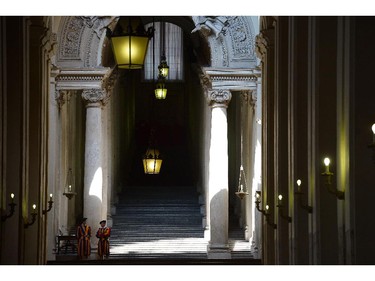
130	42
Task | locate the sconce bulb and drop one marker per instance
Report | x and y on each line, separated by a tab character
280	197
241	168
327	161
34	206
50	196
267	207
12	195
373	128
299	182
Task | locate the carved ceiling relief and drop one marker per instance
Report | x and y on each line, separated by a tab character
242	39
71	38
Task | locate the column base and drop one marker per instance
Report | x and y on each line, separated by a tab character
218	252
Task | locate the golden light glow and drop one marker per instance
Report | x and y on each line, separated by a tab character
12	195
299	182
327	161
373	128
130	51
34	206
160	92
152	161
50	196
280	197
267	207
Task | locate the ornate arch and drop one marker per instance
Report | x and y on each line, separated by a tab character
231	40
81	40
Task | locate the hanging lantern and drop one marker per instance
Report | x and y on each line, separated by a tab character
130	47
163	67
241	192
160	90
152	161
69	192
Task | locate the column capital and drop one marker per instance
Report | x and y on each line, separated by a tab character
219	98
94	97
61	97
249	97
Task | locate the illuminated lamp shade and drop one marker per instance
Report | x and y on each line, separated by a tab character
152	161
160	91
130	48
163	67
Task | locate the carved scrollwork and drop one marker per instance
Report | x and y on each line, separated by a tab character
219	98
93	96
61	97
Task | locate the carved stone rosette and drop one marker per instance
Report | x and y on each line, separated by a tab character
219	98
94	97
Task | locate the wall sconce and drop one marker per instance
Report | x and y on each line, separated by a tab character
328	181
33	217
281	208
12	206
299	194
50	203
264	212
373	142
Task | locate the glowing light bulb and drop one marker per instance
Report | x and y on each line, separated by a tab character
34	206
50	196
373	128
299	185
12	197
280	197
326	163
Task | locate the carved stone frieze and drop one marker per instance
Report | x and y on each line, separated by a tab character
110	80
219	98
71	38
263	42
209	25
242	39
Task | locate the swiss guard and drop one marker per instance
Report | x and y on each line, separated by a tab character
103	235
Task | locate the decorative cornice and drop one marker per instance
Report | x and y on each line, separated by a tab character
232	79
219	98
80	78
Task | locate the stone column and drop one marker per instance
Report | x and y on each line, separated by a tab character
93	204
218	247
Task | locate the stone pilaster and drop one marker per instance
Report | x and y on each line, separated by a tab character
218	247
93	204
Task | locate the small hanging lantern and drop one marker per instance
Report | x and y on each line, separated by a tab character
152	161
160	90
241	193
130	47
163	67
69	185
